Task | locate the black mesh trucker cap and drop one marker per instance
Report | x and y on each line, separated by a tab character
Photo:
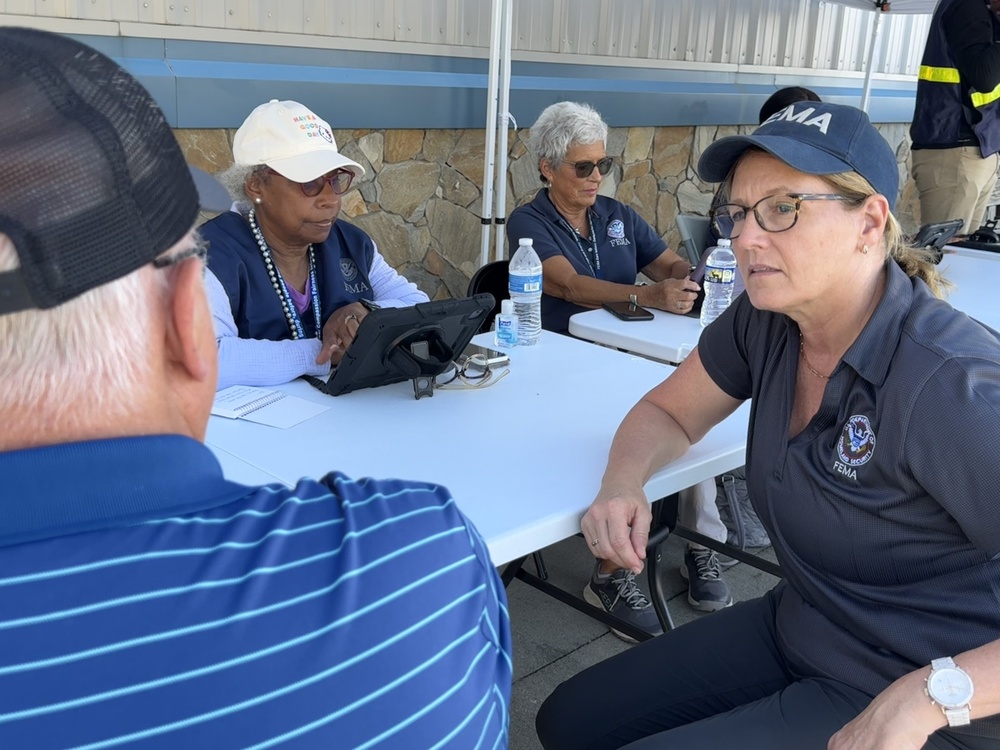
93	184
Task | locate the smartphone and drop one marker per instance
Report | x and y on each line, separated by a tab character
627	311
494	358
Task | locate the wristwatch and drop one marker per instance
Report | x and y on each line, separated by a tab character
950	687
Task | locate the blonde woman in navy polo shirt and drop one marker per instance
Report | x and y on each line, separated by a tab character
871	460
592	248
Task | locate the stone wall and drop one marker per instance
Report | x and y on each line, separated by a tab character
420	198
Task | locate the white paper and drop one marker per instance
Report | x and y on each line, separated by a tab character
264	406
287	412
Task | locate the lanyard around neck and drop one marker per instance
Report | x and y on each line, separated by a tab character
591	253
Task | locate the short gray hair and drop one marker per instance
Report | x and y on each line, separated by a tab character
562	125
86	357
234	180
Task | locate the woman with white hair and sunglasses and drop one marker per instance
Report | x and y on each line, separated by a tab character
289	283
592	247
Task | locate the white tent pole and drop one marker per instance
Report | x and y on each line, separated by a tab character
866	89
489	156
502	129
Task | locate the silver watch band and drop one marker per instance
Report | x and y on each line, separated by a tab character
960	715
957	717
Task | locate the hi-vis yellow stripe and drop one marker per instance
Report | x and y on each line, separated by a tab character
950	75
938	75
981	100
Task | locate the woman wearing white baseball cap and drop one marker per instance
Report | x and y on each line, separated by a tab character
288	282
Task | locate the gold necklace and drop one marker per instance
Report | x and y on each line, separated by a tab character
805	361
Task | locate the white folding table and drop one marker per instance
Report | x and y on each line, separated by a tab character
977	286
523	458
669	337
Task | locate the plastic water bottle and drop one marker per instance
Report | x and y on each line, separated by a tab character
720	278
505	332
525	286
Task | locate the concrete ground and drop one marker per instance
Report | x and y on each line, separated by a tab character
553	641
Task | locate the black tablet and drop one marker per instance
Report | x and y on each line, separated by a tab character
399	343
935	236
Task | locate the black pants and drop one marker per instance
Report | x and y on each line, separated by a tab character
718	683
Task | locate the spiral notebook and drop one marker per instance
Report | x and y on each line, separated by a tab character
264	406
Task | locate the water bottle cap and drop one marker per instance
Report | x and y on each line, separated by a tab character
507	307
525	241
725	242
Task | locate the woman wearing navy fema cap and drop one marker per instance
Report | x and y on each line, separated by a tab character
871	460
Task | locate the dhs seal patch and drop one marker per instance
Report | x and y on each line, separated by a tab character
348	268
616	229
857	441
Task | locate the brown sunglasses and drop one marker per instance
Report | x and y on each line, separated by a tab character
340	181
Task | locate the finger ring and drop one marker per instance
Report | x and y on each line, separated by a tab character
594	543
679	304
352	316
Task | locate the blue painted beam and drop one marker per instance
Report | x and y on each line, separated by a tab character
215	85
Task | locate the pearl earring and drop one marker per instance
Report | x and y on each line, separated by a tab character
257	201
864	248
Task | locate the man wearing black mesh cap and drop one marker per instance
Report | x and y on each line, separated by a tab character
144	598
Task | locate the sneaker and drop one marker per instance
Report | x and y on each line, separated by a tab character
726	562
618	594
707	590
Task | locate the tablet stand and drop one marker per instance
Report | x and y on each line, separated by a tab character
423	385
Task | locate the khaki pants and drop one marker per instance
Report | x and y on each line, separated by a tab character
954	183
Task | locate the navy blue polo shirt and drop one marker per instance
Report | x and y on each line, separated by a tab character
884	510
145	599
625	244
343	263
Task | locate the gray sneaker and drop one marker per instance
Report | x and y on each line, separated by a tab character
619	594
707	590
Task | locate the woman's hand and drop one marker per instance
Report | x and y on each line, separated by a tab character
340	331
672	295
616	527
901	717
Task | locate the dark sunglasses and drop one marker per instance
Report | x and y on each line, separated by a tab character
586	168
340	181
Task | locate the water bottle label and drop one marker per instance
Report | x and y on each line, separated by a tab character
720	275
525	284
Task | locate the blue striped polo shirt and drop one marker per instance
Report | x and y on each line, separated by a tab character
146	601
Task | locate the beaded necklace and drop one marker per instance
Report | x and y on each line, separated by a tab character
287	306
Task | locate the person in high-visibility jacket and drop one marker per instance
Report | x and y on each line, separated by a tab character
956	122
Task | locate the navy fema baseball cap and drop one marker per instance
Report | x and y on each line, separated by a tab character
816	138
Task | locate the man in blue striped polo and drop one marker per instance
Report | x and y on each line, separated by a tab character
144	599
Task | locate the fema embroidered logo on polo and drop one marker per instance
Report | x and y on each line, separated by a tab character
616	232
856	446
348	268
